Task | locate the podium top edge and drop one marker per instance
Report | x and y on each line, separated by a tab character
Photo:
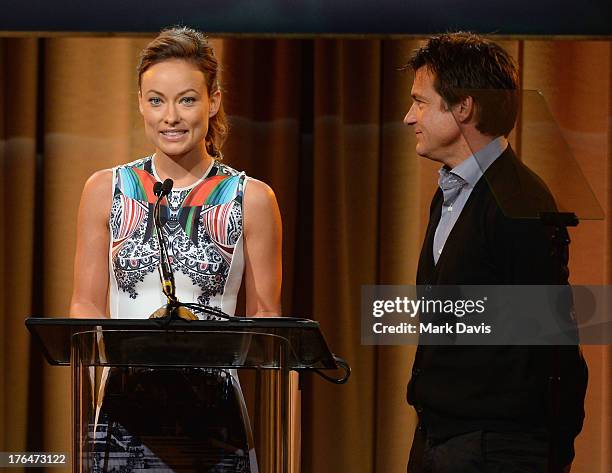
148	324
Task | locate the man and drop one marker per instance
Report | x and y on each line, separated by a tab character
498	408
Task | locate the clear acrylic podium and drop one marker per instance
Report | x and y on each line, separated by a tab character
266	350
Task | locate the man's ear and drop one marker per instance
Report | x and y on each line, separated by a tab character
214	102
465	110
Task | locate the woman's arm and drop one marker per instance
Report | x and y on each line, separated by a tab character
263	277
89	295
262	250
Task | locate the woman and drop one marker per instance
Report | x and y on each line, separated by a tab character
218	224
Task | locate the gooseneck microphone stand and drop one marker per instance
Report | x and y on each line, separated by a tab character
174	309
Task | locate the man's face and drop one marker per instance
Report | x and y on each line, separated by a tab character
437	134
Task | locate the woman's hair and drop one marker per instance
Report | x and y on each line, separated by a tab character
193	46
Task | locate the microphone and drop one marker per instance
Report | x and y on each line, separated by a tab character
173	308
165	269
167	186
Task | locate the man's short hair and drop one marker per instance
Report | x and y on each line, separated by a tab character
465	64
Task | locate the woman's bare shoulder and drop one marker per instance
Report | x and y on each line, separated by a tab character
258	194
97	192
100	180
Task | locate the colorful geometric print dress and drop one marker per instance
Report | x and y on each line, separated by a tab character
174	419
202	225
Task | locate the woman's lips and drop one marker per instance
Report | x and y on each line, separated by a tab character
173	135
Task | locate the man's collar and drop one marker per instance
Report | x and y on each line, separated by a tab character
473	167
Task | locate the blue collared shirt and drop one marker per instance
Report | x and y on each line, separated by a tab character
457	185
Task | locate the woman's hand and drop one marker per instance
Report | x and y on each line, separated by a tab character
262	250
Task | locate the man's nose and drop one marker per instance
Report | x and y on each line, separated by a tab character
410	118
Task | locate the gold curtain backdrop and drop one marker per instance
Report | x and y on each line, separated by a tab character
320	120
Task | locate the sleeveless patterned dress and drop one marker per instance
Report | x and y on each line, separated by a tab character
202	225
173	419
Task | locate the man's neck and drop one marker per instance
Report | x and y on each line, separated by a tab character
471	145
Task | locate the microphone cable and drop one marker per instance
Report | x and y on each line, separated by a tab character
343	364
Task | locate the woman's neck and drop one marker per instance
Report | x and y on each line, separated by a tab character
183	170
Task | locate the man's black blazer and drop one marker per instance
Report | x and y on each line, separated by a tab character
499	388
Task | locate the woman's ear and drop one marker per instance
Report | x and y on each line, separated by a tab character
214	102
140	108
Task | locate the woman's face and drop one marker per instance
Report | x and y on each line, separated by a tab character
176	107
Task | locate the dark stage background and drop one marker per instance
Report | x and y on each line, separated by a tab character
519	17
